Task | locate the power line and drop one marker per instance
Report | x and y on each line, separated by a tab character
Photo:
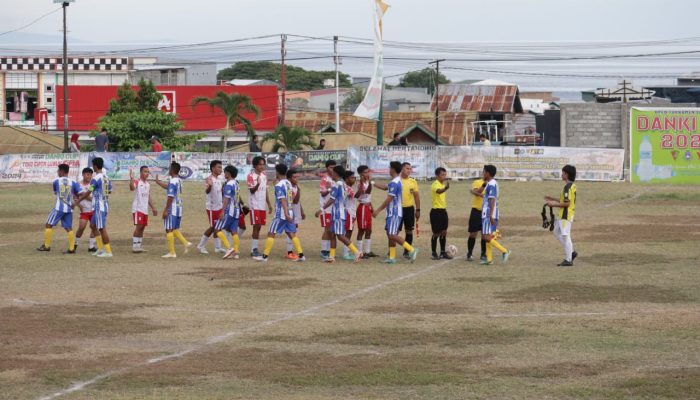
31	23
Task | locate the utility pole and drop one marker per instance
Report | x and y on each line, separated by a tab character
65	75
437	103
336	60
283	80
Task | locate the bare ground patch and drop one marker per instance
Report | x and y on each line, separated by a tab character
678	383
565	292
420	308
615	259
271	284
483	279
549	371
236	273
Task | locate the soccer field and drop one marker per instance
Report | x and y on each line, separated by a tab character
623	323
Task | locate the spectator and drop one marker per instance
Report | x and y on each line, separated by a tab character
403	141
74	144
156	147
484	140
253	146
321	144
102	142
396	141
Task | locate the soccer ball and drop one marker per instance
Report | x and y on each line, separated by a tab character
451	250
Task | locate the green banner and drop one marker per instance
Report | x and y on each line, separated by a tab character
665	145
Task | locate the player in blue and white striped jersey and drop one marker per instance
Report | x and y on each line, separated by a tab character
100	187
172	212
232	213
65	189
336	201
490	215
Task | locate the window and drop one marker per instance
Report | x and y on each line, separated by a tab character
332	107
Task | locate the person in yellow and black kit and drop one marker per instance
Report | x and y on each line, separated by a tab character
410	201
477	192
567	206
438	214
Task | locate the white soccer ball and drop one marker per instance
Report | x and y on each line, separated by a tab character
451	250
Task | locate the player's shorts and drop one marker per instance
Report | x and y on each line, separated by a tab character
364	216
409	218
280	226
487	228
65	218
325	220
338	227
171	223
258	217
213	216
241	222
99	219
393	225
438	220
562	227
86	216
349	222
227	223
140	218
475	221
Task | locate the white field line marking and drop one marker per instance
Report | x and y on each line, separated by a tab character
625	200
554	314
78	386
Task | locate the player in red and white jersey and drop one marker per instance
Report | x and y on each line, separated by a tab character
213	187
86	211
364	211
297	210
258	201
350	210
140	206
325	213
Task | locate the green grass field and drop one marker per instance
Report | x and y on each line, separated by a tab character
623	323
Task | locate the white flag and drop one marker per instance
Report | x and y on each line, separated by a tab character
370	106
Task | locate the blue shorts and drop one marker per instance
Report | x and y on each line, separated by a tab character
227	223
280	226
487	228
393	224
99	219
338	227
171	223
65	218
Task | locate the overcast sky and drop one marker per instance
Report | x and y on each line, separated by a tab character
108	21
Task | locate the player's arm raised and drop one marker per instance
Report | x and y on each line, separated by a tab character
132	183
161	183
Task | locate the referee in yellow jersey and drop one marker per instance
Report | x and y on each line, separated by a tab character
477	192
439	220
410	201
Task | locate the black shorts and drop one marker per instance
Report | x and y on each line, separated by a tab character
438	220
475	221
409	219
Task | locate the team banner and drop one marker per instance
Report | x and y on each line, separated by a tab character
118	165
377	158
308	163
38	168
195	166
665	145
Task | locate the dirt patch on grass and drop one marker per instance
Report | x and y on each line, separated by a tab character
565	292
635	233
558	370
534	221
667	219
615	259
405	337
483	279
235	273
271	284
420	308
680	383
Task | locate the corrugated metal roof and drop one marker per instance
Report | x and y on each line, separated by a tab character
478	98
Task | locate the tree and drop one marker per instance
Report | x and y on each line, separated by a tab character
289	139
296	78
424	78
133	117
353	100
234	106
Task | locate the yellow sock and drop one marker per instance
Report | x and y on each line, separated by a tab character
171	242
71	240
179	236
48	235
392	252
268	246
297	245
236	242
98	240
224	241
332	252
353	248
108	248
407	246
498	246
489	251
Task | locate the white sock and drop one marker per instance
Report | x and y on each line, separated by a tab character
135	242
93	243
325	245
368	245
346	250
217	243
77	241
254	244
568	248
240	232
290	245
203	241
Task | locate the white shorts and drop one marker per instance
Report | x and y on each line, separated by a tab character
562	227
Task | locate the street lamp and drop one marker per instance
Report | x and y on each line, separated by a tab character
65	4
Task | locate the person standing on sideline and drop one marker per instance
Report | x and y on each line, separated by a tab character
172	213
214	204
474	228
140	206
102	142
65	190
396	141
439	220
156	147
253	146
490	215
258	201
86	212
321	144
74	143
394	213
567	205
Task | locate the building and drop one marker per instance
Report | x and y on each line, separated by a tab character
174	75
325	99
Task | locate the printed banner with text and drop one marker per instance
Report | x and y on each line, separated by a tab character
377	158
37	168
117	165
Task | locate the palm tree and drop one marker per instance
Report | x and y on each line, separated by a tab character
289	139
234	106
